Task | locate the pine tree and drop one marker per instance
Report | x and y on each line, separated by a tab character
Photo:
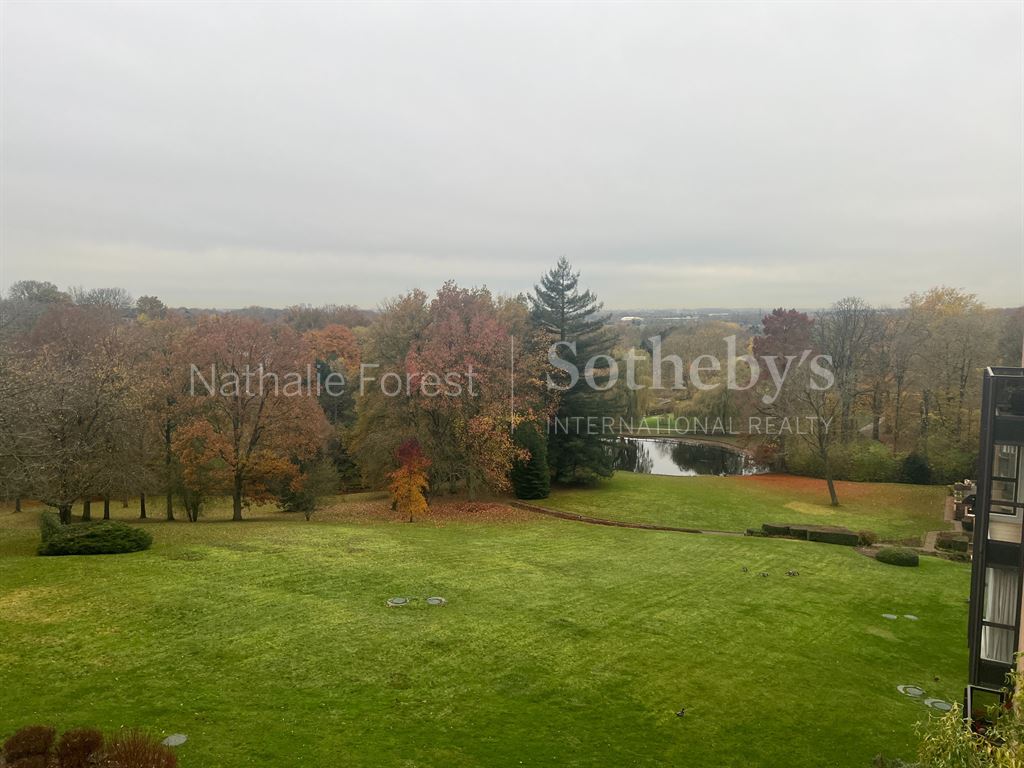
531	479
575	454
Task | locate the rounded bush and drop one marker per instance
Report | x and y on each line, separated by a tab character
104	538
915	470
30	741
77	747
898	556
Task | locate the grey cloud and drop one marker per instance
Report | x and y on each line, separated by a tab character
681	154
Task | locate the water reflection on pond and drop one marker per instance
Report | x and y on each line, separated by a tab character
662	456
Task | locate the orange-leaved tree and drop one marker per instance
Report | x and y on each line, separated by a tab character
409	481
253	405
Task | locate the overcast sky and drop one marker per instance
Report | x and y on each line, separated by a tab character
681	155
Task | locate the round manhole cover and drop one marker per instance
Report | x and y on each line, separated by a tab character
910	690
396	601
939	704
436	601
889	616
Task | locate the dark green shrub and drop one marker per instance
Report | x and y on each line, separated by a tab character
104	538
872	462
829	536
135	749
77	746
317	481
952	542
867	538
755	532
949	463
775	529
49	524
898	556
915	470
531	479
30	741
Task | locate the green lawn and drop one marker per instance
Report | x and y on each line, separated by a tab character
892	510
269	644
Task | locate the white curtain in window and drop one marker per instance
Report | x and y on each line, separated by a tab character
1001	604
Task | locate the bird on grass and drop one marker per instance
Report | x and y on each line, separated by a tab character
792	573
744	569
681	712
763	574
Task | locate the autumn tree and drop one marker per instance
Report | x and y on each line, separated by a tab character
150	307
847	332
957	342
469	431
785	332
252	404
38	292
409	481
69	407
464	380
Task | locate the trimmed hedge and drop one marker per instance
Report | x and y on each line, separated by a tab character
952	542
103	538
898	556
827	536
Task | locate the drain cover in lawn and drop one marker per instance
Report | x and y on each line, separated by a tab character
396	601
910	690
939	704
889	616
436	601
175	740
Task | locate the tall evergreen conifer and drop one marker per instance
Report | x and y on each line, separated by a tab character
577	451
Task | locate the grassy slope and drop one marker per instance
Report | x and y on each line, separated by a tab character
894	511
268	643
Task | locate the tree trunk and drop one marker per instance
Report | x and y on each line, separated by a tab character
17	503
64	513
168	457
142	506
86	510
236	499
832	489
829	480
106	507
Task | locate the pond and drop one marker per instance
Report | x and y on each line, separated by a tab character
663	456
